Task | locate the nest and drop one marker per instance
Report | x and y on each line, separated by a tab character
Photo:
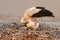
18	32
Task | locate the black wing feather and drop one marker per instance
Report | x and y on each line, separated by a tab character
43	13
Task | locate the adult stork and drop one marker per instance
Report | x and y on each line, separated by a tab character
33	13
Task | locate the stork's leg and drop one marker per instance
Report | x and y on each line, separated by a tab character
35	20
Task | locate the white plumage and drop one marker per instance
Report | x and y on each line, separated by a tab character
28	14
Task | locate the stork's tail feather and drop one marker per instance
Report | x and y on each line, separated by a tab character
53	16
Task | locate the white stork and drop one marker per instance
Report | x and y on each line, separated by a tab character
33	13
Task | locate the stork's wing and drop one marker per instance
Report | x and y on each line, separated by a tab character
43	13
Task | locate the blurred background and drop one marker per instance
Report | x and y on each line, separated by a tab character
13	10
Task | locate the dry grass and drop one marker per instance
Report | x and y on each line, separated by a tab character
17	32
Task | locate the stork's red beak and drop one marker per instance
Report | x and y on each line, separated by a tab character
35	20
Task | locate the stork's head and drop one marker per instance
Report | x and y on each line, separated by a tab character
24	21
27	23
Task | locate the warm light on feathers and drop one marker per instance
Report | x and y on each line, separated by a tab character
35	12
